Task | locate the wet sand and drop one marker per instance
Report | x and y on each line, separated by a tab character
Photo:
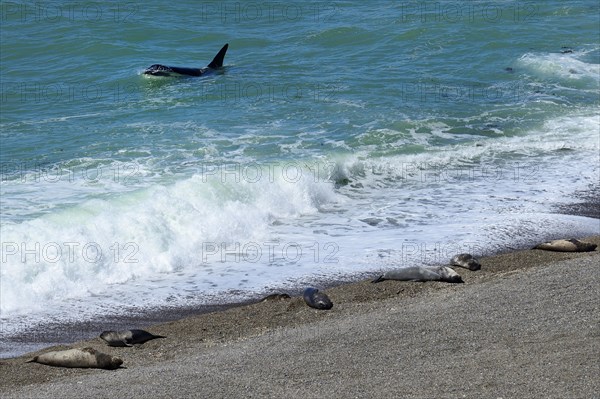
526	325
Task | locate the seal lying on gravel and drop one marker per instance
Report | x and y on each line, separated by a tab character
127	338
81	358
316	299
467	261
571	245
421	273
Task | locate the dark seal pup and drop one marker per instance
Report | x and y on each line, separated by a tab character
467	261
421	273
164	70
571	245
316	299
80	358
127	338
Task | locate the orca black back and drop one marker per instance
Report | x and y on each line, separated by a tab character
164	70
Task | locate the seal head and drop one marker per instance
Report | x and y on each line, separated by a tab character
316	299
467	261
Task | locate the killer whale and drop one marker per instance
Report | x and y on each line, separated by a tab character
164	70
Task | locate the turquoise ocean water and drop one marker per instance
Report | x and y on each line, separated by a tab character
340	138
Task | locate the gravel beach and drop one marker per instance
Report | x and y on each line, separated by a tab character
525	326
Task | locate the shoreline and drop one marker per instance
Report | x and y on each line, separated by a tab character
285	320
585	203
66	334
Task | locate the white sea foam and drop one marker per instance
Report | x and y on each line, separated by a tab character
146	234
229	231
566	67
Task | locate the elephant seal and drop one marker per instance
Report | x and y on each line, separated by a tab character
571	245
421	273
467	261
316	299
127	338
80	358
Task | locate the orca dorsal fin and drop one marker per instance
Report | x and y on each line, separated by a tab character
217	62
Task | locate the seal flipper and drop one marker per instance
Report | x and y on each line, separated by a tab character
217	62
121	343
378	279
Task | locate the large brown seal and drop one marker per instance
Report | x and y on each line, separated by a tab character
316	299
127	338
571	245
421	273
80	358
